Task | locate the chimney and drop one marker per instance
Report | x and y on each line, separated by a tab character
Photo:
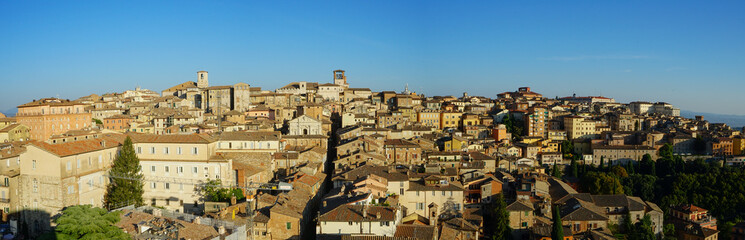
197	220
221	230
233	200
364	211
157	212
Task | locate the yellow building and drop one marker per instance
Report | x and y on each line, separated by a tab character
14	132
455	144
738	146
579	127
471	120
60	174
429	118
450	119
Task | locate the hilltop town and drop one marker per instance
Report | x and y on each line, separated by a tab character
326	160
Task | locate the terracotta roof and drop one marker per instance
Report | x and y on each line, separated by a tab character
689	208
185	85
51	102
8	150
354	213
9	127
400	142
415	231
79	146
186	230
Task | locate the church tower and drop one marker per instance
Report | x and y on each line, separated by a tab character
202	81
340	79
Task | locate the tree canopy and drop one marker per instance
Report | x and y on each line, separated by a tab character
213	191
86	222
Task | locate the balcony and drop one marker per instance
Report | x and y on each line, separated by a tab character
4	200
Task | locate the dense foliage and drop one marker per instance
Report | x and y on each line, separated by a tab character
126	188
514	126
214	192
86	222
671	181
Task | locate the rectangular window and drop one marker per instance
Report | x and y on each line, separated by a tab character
152	168
289	225
168	169
178	150
195	151
78	166
33	164
153	185
168	186
69	166
180	169
195	170
165	150
152	150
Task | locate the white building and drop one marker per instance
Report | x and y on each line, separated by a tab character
305	125
360	219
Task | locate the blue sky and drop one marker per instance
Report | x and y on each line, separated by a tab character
690	54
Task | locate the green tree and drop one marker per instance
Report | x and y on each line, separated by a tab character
501	226
630	167
647	166
602	163
642	230
669	231
126	187
214	191
98	122
619	171
557	229
666	151
567	149
574	169
86	222
555	171
627	227
601	183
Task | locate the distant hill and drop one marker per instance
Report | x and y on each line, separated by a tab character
9	112
734	121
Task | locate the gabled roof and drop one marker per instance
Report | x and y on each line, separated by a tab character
354	213
183	86
415	231
520	206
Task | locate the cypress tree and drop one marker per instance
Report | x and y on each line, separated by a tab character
555	172
557	230
122	192
501	219
575	170
602	163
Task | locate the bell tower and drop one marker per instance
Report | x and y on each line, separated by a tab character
340	79
202	80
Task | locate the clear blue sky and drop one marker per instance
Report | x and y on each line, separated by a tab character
690	54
